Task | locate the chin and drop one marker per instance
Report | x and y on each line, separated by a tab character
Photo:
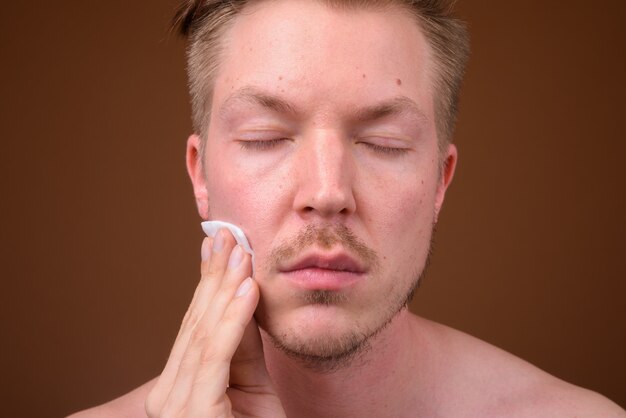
324	329
322	337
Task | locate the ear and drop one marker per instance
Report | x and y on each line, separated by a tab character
449	159
195	170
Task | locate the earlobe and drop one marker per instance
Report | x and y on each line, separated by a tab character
196	175
447	173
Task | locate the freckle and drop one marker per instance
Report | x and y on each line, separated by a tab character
364	76
280	77
398	82
422	181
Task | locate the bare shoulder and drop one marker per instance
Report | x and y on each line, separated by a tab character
564	399
489	381
128	405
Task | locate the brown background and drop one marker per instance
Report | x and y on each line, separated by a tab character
100	238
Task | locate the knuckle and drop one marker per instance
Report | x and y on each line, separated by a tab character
224	293
212	355
169	412
208	357
201	335
233	317
153	404
192	317
187	365
213	271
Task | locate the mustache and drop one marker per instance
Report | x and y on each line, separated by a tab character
325	237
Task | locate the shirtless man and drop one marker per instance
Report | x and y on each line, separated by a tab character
324	131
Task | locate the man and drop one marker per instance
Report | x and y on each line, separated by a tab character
324	131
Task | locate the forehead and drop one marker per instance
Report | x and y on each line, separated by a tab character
311	53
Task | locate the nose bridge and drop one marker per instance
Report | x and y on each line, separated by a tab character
326	183
327	158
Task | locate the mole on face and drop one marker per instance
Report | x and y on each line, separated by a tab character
398	82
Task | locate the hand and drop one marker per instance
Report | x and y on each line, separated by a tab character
216	367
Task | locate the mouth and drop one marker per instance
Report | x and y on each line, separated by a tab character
324	271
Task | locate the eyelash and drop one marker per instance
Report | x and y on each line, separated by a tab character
264	145
261	145
385	150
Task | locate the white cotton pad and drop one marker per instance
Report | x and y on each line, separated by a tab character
210	228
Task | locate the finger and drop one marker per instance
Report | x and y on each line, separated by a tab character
212	271
223	244
201	290
239	267
211	381
214	253
207	347
236	318
159	393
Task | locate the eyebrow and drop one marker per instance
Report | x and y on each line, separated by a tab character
392	107
396	106
257	97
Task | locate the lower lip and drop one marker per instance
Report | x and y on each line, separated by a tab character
322	279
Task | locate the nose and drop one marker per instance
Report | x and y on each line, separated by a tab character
325	177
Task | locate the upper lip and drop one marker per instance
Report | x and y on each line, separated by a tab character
337	261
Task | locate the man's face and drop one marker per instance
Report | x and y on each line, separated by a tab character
322	148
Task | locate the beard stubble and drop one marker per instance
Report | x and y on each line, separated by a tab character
327	354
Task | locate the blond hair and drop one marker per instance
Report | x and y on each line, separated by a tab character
203	23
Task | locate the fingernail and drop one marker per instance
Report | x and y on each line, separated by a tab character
244	287
218	242
235	257
205	252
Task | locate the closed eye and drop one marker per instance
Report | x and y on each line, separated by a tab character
385	150
262	144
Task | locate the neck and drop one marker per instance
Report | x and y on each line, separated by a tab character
381	381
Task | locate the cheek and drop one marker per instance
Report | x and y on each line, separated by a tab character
243	198
405	221
403	204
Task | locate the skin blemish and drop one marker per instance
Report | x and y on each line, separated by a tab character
398	82
280	77
364	76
